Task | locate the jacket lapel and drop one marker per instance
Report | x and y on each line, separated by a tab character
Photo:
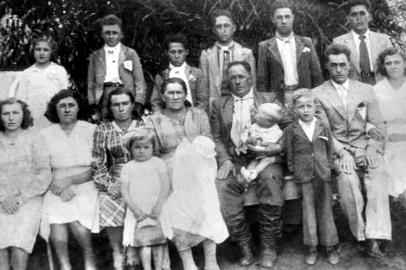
212	58
238	53
374	45
273	48
335	100
122	55
350	43
101	60
299	48
317	130
353	101
227	112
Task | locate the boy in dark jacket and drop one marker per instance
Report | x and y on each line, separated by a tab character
309	151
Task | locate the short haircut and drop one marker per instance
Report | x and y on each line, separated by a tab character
173	81
388	52
45	38
270	108
141	135
352	3
51	112
281	4
242	63
27	119
336	49
118	91
221	12
176	38
111	20
303	92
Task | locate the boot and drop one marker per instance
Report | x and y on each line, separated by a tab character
270	223
247	257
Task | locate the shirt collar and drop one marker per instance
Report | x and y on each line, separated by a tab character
345	84
182	67
279	37
115	48
310	124
356	36
133	126
229	47
250	95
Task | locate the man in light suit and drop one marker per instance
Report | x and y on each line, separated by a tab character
365	45
229	116
349	107
177	52
113	66
214	60
287	61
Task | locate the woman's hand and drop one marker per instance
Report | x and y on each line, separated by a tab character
10	204
58	186
67	194
225	170
114	190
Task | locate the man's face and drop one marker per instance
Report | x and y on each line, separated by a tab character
283	20
224	29
240	80
177	53
111	34
359	18
338	67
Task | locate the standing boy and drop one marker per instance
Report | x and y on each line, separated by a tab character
112	66
309	150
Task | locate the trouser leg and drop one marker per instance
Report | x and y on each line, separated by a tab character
309	214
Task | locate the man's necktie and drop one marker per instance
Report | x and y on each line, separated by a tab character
364	62
226	61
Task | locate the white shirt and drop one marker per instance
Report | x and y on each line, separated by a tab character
367	41
287	50
180	72
221	50
112	54
308	128
342	90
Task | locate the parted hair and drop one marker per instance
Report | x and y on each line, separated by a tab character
142	135
221	12
27	119
242	63
281	4
388	52
176	38
353	3
303	92
118	91
44	38
336	49
111	19
51	111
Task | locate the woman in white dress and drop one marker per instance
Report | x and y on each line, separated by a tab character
391	96
24	176
71	202
38	83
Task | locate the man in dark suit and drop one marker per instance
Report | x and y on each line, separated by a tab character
229	117
113	66
287	61
348	106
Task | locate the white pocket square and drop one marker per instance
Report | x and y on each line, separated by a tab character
128	65
323	138
306	50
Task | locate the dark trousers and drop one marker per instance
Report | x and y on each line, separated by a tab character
269	192
318	220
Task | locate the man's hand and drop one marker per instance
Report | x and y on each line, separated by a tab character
67	195
114	190
225	170
139	109
58	185
372	157
346	163
10	204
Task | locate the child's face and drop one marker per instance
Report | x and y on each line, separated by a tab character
305	108
265	120
142	150
42	53
177	53
111	34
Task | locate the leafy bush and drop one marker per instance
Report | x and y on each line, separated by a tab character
146	22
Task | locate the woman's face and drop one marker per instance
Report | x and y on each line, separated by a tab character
42	53
394	66
174	97
121	107
67	110
12	116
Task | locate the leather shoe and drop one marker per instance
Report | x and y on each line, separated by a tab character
247	257
311	256
332	257
373	248
268	257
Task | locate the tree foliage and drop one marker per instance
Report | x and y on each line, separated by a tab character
74	24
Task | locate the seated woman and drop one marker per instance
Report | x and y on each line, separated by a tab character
391	95
172	126
109	156
24	177
71	202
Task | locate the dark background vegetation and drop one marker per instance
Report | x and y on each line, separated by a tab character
74	24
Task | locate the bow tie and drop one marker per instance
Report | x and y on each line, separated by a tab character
110	51
238	99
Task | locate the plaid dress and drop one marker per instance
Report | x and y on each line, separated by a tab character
109	155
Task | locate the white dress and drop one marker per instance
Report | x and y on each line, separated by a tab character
70	155
392	103
37	86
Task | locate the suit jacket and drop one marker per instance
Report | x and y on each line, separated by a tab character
270	66
221	120
377	41
349	127
309	159
132	79
197	84
209	64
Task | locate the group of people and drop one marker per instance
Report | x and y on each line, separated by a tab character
223	139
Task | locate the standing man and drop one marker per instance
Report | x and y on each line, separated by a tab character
287	61
230	114
365	45
113	66
197	91
214	60
348	105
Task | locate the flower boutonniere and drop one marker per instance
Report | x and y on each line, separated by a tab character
323	138
128	65
306	50
191	77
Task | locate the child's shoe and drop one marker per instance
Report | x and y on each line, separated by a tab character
245	173
253	175
311	256
332	256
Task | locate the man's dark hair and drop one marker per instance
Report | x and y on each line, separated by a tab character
221	12
336	49
176	38
242	63
281	4
111	20
353	3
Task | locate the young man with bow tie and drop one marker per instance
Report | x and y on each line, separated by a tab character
197	91
113	66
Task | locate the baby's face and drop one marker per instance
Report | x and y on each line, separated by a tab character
266	120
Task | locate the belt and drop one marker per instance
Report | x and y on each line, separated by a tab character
367	74
290	88
112	84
